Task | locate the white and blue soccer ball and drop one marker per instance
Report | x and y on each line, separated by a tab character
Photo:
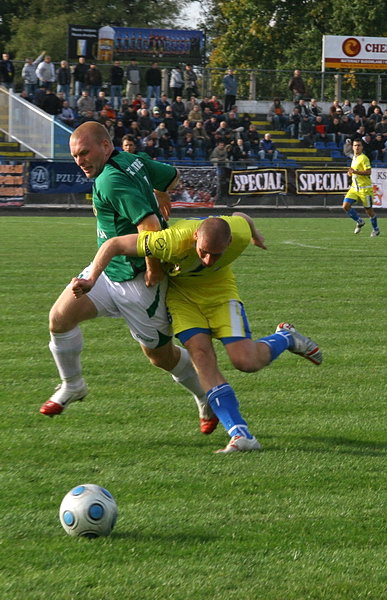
88	510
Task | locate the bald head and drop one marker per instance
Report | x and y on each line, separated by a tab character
212	239
91	147
92	130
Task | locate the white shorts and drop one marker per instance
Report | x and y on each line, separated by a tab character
143	308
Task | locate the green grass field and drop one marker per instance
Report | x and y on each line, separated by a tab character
302	520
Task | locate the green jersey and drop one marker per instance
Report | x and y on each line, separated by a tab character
122	197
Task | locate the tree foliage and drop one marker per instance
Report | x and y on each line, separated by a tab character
28	26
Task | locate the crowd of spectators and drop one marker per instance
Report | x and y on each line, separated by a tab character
183	126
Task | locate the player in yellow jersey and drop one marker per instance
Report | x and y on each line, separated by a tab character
204	303
361	189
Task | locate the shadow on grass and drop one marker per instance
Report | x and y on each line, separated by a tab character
341	445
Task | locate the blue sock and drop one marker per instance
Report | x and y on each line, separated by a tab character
278	343
353	214
225	405
374	222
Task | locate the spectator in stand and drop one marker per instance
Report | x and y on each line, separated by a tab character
367	145
39	96
267	149
195	115
85	103
376	116
384	151
297	86
116	82
205	103
201	138
207	113
179	110
276	115
303	108
372	107
100	101
347	108
359	109
135	133
150	148
211	125
188	146
234	122
359	133
347	149
110	111
79	74
225	133
45	72
230	89
215	106
306	131
144	122
314	108
102	116
294	123
176	82
171	125
156	117
244	120
63	79
219	155
133	79
238	152
382	127
89	115
190	82
67	115
164	140
128	144
184	128
320	130
333	130
51	103
153	83
335	106
345	129
253	139
162	104
377	147
30	80
109	126
93	80
7	71
129	116
137	102
119	132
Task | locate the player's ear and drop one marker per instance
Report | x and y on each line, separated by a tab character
195	235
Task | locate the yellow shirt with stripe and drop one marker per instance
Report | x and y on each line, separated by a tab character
176	246
359	182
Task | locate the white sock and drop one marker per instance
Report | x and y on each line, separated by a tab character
185	374
66	350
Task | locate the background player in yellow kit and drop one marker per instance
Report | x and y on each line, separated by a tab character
361	189
204	302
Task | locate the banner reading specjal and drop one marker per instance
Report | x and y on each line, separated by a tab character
349	52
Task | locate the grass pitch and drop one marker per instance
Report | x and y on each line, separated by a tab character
301	520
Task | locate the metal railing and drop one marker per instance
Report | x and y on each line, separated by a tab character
32	127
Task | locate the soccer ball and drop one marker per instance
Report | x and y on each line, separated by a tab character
88	510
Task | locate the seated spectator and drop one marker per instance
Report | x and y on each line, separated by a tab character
195	115
89	115
24	96
358	109
306	131
211	125
129	116
346	128
164	140
294	123
144	122
201	138
347	149
51	103
375	116
372	107
162	104
238	151
128	144
333	108
156	117
303	108
320	130
314	108
219	155
110	111
150	148
207	114
252	138
100	101
215	106
119	132
138	102
205	103
367	146
225	132
193	101
378	147
67	115
179	110
171	124
267	148
382	126
183	129
39	96
188	146
244	120
85	103
109	126
359	133
233	121
347	108
333	130
276	115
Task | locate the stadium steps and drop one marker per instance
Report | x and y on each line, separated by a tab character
11	150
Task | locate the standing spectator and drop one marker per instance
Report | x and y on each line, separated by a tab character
360	190
51	103
190	82
29	74
297	86
267	148
230	89
176	82
7	71
63	79
45	72
93	80
153	83
133	78
116	79
80	71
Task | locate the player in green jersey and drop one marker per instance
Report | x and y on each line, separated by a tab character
124	202
204	302
361	189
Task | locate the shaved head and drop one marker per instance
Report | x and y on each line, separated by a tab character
91	147
212	239
93	130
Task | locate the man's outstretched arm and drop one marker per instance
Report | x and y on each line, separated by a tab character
256	236
122	245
